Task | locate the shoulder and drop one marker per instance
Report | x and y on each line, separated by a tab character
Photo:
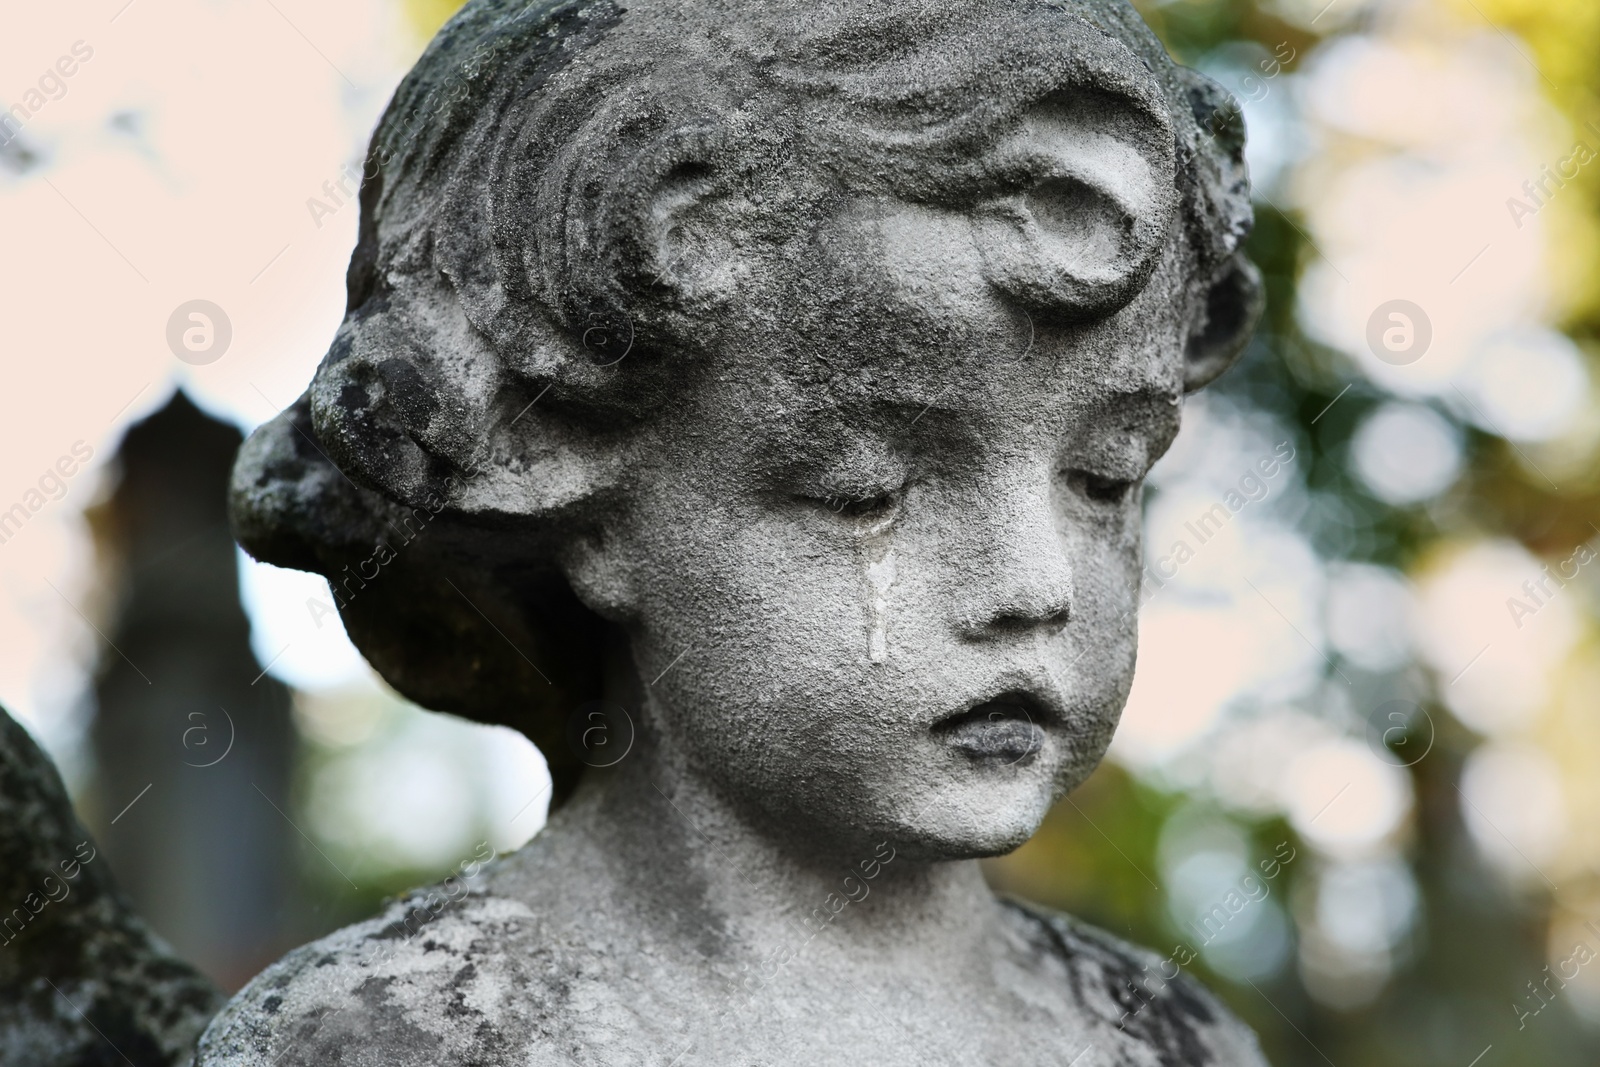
431	980
1140	1003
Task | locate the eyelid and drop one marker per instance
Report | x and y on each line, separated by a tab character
1102	488
859	505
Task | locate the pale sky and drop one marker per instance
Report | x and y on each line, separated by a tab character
174	163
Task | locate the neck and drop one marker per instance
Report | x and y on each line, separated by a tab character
757	892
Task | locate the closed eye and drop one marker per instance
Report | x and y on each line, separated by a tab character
875	507
1101	489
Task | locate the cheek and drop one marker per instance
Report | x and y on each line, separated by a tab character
1104	631
742	618
759	633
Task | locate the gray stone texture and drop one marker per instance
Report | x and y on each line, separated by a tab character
782	375
83	982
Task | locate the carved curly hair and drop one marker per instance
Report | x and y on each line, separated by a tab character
520	294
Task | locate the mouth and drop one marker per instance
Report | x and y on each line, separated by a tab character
1007	729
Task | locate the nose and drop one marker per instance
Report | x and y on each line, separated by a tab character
1018	574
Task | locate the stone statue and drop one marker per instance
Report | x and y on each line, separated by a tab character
749	401
82	979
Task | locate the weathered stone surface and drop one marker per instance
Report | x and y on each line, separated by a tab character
491	979
82	981
784	376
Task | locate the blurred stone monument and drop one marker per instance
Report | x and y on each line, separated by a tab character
193	741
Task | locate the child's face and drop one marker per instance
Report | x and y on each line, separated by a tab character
885	558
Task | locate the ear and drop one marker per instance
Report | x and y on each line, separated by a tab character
671	229
1083	234
566	246
689	250
1233	306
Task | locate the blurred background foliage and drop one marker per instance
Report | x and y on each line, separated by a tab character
1358	780
1421	728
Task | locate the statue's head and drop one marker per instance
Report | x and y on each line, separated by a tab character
792	368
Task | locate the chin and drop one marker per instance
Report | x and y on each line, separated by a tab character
983	812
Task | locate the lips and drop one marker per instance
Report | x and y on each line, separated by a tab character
1006	729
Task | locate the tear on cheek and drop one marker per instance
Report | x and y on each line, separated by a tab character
878	560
